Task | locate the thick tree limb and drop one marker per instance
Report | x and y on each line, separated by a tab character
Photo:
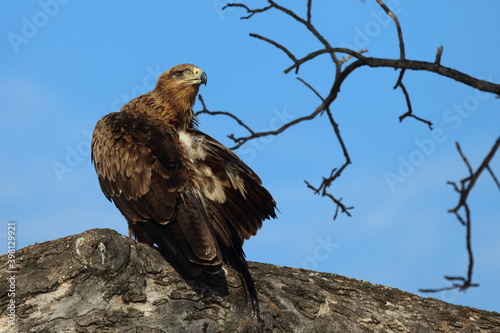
100	281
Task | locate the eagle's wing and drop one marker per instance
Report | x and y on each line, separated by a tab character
246	202
139	165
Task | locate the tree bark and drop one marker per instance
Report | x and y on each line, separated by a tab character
101	281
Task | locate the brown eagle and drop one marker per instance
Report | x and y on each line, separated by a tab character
177	187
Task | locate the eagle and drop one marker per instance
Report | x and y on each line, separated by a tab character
178	188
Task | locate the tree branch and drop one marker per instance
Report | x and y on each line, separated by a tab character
215	113
325	184
251	12
466	185
409	113
398	27
279	46
341	74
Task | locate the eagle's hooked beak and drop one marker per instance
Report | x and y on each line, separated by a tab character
199	77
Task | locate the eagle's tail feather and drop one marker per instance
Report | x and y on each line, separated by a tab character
239	263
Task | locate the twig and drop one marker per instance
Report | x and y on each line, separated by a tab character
398	27
279	46
250	11
409	113
466	161
308	25
471	180
350	56
466	184
229	114
312	55
493	176
242	140
312	89
438	55
325	184
309	2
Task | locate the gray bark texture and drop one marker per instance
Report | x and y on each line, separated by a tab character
101	281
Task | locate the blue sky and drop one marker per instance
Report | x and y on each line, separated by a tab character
67	63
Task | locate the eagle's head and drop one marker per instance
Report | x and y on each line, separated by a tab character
184	75
179	85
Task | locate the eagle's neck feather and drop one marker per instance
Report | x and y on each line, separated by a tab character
176	110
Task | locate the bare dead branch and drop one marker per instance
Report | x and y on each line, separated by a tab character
466	161
314	54
349	57
455	187
398	27
337	173
493	176
409	113
469	182
215	113
321	190
279	46
466	283
466	184
371	62
309	2
242	140
437	290
310	87
251	12
307	23
341	74
415	65
326	183
433	68
326	102
438	55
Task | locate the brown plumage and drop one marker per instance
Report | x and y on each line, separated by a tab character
177	187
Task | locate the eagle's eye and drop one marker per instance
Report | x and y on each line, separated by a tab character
178	74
